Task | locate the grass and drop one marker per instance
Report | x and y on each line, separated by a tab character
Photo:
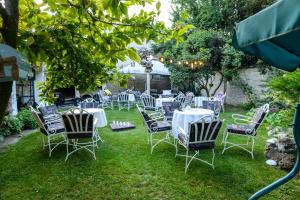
125	169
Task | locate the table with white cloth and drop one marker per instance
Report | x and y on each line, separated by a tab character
99	116
198	101
183	118
159	101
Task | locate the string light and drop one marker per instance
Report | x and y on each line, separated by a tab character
192	63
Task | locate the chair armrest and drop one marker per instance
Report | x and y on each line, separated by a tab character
53	121
239	116
181	130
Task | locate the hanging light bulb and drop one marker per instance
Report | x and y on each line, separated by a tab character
200	63
192	65
187	62
179	62
161	59
171	61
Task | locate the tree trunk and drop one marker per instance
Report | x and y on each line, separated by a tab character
9	30
5	91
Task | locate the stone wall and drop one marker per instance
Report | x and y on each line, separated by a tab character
235	94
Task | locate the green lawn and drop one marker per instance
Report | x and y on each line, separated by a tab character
125	169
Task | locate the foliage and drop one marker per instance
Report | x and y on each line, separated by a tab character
286	87
81	41
216	14
284	93
125	169
10	126
26	118
282	118
213	49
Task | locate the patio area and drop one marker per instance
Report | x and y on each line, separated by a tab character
125	169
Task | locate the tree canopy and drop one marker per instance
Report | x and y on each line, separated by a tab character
209	42
81	41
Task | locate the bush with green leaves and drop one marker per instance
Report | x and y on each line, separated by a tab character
27	119
10	126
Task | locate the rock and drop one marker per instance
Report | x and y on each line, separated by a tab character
287	161
272	141
281	150
271	162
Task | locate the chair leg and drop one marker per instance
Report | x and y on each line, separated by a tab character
176	147
224	134
186	160
151	143
213	159
67	147
225	142
49	145
252	148
43	139
94	144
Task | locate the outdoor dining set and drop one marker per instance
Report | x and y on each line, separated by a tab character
186	120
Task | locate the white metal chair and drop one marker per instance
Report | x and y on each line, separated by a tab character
52	127
105	102
123	101
181	99
149	102
213	105
80	131
168	109
189	97
201	135
245	126
92	104
221	97
155	124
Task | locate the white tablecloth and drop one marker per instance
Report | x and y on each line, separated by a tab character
99	116
160	100
131	97
183	118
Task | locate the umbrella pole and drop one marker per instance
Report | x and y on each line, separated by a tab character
294	171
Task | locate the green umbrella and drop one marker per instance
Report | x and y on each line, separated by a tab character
273	35
7	51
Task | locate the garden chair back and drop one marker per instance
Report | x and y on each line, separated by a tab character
148	102
80	125
202	134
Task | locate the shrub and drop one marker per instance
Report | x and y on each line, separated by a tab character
27	119
10	126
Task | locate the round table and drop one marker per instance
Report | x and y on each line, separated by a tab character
183	118
99	116
158	101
